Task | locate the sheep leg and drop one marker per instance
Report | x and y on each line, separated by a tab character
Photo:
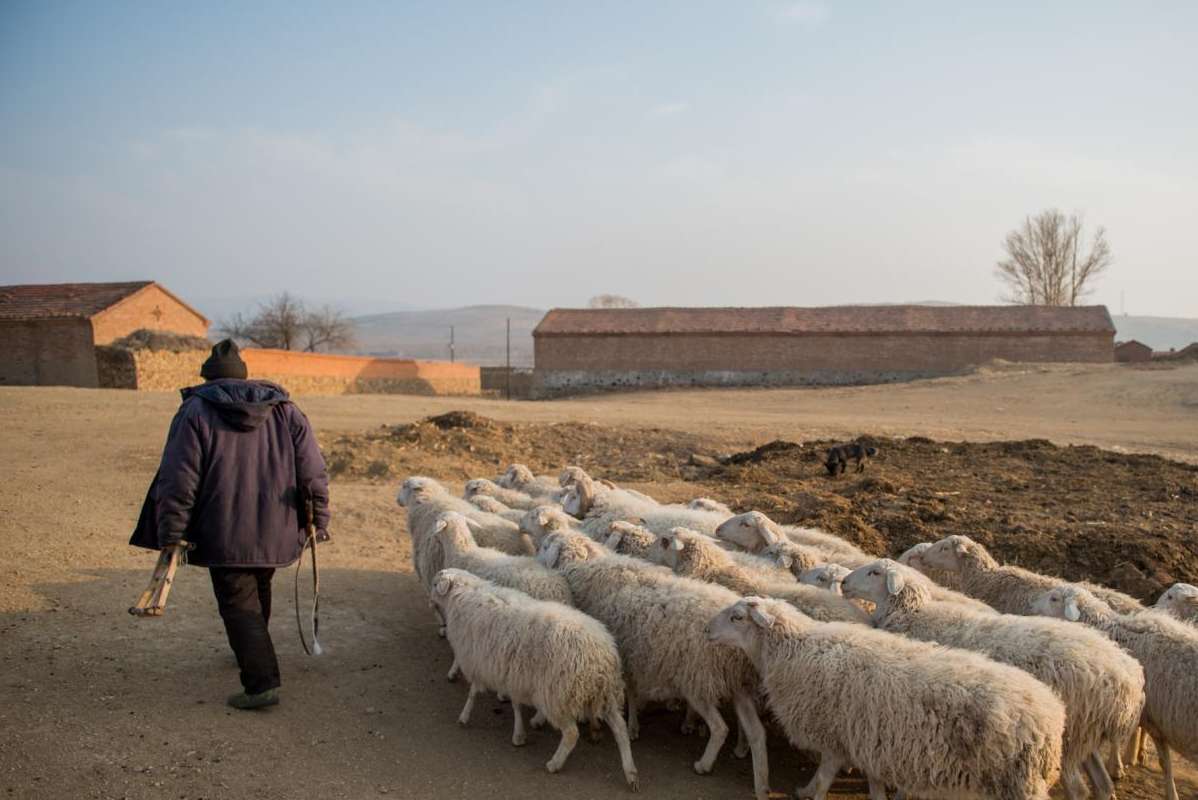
538	720
464	717
1104	788
742	742
1114	763
1166	759
455	670
634	724
877	790
719	732
1075	785
564	747
1137	758
619	732
595	730
518	735
821	781
750	726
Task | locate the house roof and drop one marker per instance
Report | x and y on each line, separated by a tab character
825	320
1132	342
33	301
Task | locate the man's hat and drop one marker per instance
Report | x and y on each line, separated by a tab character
225	362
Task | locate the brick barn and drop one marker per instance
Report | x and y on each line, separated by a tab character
1132	350
50	331
579	350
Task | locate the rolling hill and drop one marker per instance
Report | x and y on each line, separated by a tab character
479	334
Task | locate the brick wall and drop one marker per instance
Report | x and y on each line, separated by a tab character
150	308
566	364
299	373
53	352
495	380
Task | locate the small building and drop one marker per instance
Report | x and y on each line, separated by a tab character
50	331
578	350
1132	350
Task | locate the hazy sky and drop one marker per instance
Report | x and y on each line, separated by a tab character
384	155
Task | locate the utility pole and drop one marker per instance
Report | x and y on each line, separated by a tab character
450	344
509	358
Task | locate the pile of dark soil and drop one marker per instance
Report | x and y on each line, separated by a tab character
1130	521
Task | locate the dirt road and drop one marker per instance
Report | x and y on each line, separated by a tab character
96	705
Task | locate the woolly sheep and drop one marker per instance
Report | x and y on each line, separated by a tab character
658	620
598	510
708	504
521	478
489	504
543	654
1101	686
543	520
1180	600
522	573
630	539
943	585
1006	588
825	576
689	554
511	498
754	531
796	558
1168	651
425	499
898	709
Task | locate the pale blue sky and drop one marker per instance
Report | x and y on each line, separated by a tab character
382	155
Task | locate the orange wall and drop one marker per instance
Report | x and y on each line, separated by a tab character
149	308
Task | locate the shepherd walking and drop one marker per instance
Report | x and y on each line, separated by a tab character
241	463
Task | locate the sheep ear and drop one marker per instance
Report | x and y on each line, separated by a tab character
763	619
542	519
552	554
1072	612
441	525
785	561
894	581
443	585
959	548
677	544
613	540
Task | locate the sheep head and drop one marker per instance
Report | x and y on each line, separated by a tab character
752	531
825	576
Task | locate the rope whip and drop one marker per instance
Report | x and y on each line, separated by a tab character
309	542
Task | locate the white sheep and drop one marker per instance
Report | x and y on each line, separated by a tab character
523	573
658	620
521	478
944	584
932	721
1180	600
542	654
598	509
1101	686
694	556
511	498
1005	587
754	532
1168	650
825	576
708	504
492	506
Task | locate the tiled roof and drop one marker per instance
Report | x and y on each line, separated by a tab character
825	320
56	300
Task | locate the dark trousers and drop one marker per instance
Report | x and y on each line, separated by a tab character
243	596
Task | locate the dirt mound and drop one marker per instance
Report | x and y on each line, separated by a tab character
1130	521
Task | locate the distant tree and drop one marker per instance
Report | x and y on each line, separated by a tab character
611	301
285	324
1045	263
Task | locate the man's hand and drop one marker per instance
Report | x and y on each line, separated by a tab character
323	536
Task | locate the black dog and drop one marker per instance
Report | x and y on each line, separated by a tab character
839	456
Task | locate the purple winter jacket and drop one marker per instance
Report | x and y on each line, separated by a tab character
236	452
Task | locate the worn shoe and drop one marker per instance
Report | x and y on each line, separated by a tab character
248	702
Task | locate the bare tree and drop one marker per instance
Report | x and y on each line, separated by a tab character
285	324
1045	264
612	301
327	327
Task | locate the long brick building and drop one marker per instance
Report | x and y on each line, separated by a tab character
50	331
578	350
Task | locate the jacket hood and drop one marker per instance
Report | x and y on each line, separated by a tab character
244	405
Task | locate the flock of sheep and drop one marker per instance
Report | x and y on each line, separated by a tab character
943	675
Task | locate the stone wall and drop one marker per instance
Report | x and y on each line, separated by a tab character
299	373
495	380
47	352
572	364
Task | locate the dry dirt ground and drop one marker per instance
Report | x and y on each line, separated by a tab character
95	704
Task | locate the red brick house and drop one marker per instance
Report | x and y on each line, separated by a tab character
1132	350
50	331
592	349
